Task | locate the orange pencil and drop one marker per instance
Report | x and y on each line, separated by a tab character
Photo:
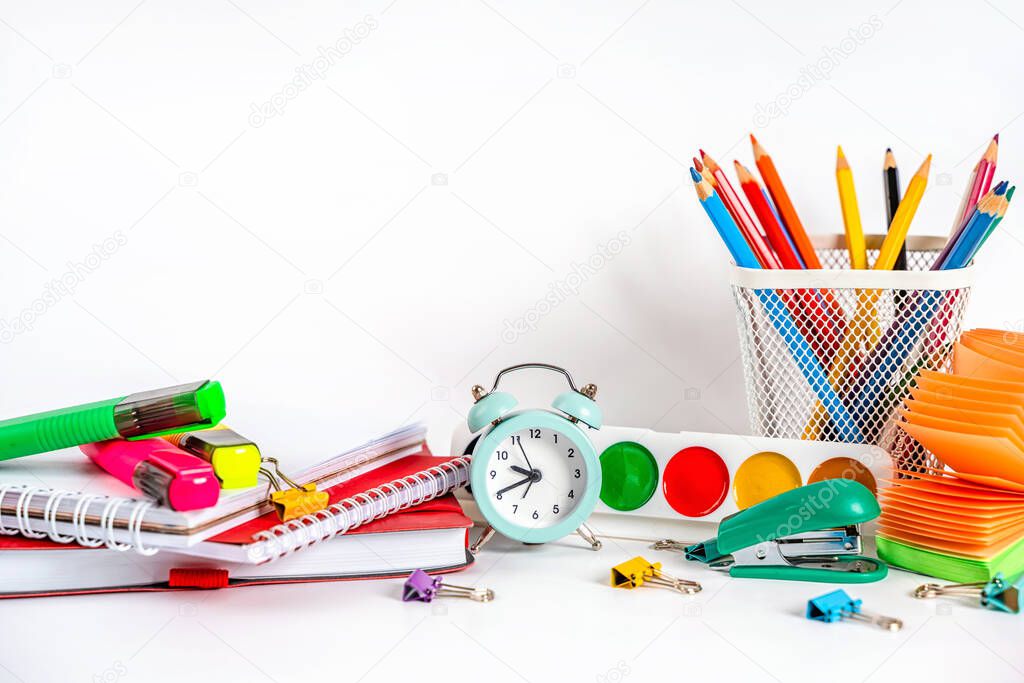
785	206
765	256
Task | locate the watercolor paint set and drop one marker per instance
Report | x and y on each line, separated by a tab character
695	476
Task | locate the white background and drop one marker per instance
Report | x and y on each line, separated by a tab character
352	263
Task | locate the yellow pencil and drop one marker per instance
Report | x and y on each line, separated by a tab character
904	215
851	214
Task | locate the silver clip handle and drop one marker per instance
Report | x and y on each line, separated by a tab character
477	594
888	623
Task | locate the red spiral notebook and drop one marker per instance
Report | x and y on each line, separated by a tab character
433	535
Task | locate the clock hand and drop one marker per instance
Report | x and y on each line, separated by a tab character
520	470
528	487
515	485
523	451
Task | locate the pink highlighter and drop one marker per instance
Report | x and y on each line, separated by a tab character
170	475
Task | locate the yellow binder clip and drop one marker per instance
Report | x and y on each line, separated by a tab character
638	571
295	501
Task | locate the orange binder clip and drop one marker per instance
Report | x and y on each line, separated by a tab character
296	500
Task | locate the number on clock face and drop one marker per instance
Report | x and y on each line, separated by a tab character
535	477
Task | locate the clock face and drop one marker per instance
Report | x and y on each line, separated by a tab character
535	477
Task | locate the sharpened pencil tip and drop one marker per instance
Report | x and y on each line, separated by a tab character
996	138
702	153
890	160
695	175
925	167
742	173
697	165
753	140
1001	187
841	162
1009	193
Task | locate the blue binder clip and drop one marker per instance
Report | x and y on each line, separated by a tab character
998	594
837	606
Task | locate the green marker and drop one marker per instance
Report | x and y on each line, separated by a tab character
138	416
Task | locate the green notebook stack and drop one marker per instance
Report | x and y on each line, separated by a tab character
951	567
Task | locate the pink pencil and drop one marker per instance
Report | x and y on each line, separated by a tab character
991	154
978	184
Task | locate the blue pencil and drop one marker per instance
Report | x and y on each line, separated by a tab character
801	351
984	213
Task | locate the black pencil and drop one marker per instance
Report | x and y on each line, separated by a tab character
891	175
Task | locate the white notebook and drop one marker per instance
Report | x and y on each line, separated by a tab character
65	496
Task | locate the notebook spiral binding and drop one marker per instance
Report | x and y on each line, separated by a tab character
83	502
347	514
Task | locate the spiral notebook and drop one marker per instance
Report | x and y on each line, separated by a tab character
432	536
63	496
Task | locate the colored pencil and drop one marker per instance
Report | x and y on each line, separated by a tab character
803	355
765	256
900	225
991	206
991	155
704	172
891	179
772	228
978	184
739	248
995	223
790	219
851	213
767	198
960	237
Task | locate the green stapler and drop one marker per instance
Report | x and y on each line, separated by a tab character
806	534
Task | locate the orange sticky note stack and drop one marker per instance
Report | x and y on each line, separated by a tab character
967	522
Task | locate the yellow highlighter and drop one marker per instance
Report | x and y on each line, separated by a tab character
235	459
851	213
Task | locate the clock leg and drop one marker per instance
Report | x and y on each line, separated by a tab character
485	536
588	535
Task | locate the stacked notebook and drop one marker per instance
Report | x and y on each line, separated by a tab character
964	523
390	511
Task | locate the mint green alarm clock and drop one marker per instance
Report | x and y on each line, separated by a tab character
535	474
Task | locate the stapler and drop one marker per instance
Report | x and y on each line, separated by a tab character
806	534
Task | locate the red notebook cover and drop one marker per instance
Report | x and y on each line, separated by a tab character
441	513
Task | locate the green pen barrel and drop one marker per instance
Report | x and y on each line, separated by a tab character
56	429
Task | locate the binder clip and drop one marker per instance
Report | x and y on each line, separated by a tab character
295	501
638	571
423	587
998	594
669	544
837	606
806	534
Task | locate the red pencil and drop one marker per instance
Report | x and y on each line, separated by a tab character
765	256
752	189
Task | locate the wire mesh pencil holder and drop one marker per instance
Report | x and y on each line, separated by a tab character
830	354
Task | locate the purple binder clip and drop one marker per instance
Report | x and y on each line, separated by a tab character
423	587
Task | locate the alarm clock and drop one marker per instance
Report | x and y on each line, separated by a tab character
535	474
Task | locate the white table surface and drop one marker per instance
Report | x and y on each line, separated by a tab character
554	619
